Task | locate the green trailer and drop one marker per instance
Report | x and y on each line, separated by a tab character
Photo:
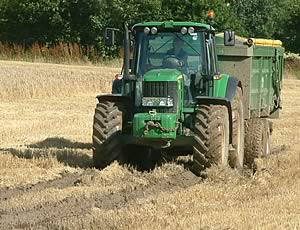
187	91
259	67
258	64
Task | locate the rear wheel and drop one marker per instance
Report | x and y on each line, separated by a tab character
257	140
236	160
107	130
211	137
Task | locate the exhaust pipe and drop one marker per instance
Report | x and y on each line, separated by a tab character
126	51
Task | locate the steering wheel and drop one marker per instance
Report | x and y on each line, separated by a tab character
172	62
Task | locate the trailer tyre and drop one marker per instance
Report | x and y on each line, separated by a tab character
211	140
257	140
268	132
107	130
236	160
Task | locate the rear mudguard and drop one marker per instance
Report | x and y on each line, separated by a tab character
224	92
226	86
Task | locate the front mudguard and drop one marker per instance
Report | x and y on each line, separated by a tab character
126	101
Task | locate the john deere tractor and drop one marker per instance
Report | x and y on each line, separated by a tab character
171	97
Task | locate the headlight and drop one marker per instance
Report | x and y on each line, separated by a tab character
184	30
146	30
191	30
154	30
157	102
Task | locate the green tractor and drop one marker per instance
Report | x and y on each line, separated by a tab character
171	98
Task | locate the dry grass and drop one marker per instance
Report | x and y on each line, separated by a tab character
31	121
57	53
16	171
20	80
52	91
46	134
292	67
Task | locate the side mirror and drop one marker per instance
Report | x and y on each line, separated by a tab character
229	38
109	36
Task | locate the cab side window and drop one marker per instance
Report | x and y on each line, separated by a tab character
212	68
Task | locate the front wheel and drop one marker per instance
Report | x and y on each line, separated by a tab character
107	130
211	140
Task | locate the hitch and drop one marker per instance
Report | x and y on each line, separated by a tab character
152	124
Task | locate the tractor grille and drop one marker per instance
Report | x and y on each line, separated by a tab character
161	89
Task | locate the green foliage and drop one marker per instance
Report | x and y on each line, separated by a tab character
189	10
290	30
260	18
28	21
83	21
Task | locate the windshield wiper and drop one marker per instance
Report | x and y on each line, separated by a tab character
187	44
161	46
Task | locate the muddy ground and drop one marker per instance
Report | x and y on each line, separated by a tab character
51	184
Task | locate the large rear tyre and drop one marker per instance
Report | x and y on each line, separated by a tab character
236	160
107	130
211	140
257	140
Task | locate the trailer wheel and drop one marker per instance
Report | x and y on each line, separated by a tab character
236	160
267	139
107	130
257	140
211	140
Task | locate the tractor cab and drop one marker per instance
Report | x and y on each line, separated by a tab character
171	51
168	50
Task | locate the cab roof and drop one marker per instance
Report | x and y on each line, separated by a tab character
173	24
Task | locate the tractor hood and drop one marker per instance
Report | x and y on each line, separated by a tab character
163	75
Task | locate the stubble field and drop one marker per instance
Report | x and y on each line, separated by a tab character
47	180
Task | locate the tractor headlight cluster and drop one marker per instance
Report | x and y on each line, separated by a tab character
157	102
153	30
189	30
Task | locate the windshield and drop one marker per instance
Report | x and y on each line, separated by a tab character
170	50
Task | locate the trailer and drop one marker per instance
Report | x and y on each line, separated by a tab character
258	64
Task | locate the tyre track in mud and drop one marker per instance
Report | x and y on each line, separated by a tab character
66	180
42	215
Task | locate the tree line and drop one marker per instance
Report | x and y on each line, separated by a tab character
49	22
